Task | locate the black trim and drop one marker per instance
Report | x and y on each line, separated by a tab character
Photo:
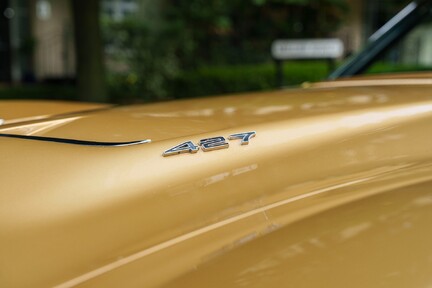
74	141
384	38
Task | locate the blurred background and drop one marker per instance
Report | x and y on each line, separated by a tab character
129	51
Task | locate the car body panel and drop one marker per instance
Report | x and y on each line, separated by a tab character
380	241
13	111
84	216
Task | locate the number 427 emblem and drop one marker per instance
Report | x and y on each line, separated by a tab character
209	144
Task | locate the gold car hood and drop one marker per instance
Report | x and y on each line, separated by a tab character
193	118
77	215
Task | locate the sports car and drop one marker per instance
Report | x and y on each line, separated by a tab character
323	185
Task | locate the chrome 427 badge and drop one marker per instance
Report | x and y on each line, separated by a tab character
209	144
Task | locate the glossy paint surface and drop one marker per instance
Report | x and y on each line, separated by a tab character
14	111
332	191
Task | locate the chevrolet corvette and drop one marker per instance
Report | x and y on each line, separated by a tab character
324	185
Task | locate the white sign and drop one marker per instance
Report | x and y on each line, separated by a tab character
307	49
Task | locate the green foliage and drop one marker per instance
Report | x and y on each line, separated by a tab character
39	91
234	79
170	37
150	57
208	80
238	31
383	67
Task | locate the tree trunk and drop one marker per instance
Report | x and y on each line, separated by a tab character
89	53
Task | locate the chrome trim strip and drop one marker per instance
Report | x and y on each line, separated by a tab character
76	142
393	21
